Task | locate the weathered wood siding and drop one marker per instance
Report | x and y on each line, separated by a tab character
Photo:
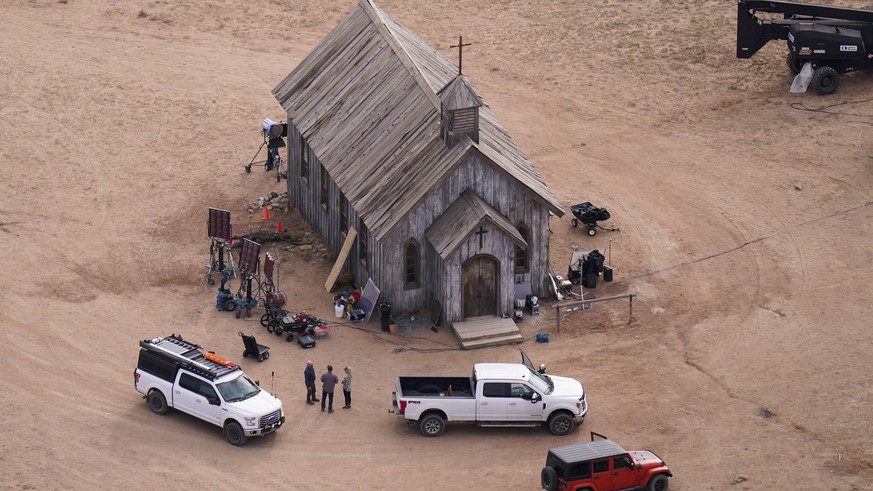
324	220
507	197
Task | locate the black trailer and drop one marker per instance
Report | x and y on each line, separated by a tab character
589	215
834	40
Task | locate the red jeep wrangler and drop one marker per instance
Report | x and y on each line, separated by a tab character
602	465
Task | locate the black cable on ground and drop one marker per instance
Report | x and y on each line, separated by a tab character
799	106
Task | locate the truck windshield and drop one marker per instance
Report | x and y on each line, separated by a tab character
541	382
238	389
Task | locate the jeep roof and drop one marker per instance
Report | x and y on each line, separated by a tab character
580	452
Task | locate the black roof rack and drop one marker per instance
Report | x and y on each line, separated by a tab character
187	354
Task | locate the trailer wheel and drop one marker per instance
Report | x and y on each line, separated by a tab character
274	327
230	305
265	319
592	231
549	478
574	222
794	63
432	425
658	483
157	402
560	424
234	434
825	80
290	337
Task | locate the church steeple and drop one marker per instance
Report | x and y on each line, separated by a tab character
459	108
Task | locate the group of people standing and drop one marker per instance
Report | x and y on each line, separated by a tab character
329	380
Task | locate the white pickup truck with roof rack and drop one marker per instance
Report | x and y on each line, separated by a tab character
174	373
497	394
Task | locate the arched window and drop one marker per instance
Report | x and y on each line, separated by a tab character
325	178
522	265
304	160
411	265
362	243
344	213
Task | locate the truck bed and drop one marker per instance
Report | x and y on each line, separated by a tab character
436	386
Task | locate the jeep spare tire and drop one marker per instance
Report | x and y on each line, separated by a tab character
549	478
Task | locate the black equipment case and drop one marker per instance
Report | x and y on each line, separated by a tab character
306	341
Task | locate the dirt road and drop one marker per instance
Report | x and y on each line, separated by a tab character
745	231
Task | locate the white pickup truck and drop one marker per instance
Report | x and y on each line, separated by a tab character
174	373
497	394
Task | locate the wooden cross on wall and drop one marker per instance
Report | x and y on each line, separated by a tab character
481	233
460	47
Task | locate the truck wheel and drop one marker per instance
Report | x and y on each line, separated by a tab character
825	80
549	478
157	402
234	434
432	425
658	483
794	63
560	424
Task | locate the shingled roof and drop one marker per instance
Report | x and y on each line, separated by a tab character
365	99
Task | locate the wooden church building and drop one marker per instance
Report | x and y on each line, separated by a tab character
388	143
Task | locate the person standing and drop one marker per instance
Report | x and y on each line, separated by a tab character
347	387
309	380
328	383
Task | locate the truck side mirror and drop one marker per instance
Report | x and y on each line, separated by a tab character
213	401
534	397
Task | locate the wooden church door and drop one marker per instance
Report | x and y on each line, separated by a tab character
479	277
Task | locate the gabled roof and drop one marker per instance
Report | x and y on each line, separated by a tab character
458	94
461	219
365	101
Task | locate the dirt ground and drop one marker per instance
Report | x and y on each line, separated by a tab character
745	231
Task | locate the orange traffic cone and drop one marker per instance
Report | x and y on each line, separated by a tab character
266	213
278	226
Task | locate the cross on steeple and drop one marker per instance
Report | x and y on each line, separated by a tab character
481	233
460	47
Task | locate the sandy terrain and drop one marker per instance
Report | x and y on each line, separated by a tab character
745	232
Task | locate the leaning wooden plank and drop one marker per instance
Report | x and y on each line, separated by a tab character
341	259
